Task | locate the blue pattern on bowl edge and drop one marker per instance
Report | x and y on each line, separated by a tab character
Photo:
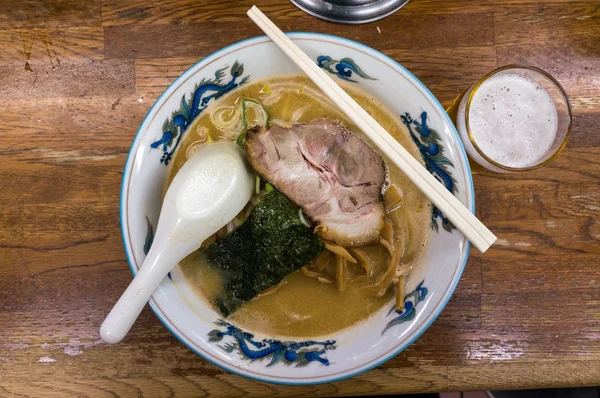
343	68
409	311
288	352
431	149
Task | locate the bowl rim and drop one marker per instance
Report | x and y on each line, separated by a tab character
434	101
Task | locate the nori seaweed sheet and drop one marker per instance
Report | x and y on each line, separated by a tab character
272	243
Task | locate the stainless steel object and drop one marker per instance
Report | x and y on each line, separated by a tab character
349	11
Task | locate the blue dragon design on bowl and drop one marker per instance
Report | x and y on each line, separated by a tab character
288	352
343	68
430	146
206	90
409	311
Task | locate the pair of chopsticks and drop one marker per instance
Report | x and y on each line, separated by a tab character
452	208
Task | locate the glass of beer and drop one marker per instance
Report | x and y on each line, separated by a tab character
515	118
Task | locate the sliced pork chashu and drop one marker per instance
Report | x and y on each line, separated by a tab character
329	171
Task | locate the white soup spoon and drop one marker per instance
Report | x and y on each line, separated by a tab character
211	188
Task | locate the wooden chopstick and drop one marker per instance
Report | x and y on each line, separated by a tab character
461	217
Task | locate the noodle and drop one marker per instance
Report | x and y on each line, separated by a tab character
228	119
340	251
202	132
324	279
388	231
365	261
322	261
380	287
341	273
193	148
387	246
309	273
358	278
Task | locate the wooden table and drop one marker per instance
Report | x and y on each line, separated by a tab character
525	315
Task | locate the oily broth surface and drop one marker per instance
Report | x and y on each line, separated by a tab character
304	307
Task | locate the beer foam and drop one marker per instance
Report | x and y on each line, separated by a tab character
513	120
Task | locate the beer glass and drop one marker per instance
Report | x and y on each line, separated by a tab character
507	131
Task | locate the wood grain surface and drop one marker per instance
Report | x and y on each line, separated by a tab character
525	315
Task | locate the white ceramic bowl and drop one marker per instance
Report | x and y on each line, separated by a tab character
333	357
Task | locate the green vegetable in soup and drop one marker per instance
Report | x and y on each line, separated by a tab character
263	119
272	243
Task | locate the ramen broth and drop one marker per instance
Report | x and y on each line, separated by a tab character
303	306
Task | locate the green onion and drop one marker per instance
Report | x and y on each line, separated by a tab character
241	140
269	187
257	187
266	114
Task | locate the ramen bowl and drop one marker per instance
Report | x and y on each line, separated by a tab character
278	359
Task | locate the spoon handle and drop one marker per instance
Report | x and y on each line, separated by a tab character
154	269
